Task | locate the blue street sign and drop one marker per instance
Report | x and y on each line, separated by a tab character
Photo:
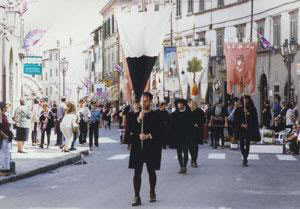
33	65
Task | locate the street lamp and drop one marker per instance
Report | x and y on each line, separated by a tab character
288	52
64	68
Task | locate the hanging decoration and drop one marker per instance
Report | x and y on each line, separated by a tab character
32	38
241	66
193	65
141	37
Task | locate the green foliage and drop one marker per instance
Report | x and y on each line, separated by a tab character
194	65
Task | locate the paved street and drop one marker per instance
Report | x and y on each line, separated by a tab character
270	182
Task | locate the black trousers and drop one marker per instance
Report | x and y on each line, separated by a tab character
194	149
74	140
94	134
34	133
59	139
183	156
245	146
137	179
83	132
47	132
218	133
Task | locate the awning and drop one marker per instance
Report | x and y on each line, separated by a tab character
114	93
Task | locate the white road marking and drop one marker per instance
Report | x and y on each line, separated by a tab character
54	187
286	157
217	156
266	149
253	157
119	157
190	157
106	140
2	197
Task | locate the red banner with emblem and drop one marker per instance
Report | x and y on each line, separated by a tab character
241	66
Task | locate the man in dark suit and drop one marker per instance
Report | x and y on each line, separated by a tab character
145	148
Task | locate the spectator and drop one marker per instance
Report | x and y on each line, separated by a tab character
23	121
266	115
276	106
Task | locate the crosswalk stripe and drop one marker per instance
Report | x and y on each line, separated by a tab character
190	157
253	157
216	156
286	157
106	140
119	157
2	197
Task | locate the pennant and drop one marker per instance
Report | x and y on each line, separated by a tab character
265	44
32	38
193	68
241	66
141	37
22	7
118	69
170	70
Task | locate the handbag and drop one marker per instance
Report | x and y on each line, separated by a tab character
75	127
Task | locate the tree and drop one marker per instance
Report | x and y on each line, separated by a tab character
194	66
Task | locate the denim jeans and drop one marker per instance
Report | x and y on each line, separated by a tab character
6	148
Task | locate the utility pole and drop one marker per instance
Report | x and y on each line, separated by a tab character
251	32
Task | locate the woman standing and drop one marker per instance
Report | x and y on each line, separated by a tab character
266	115
84	115
22	119
36	111
69	125
47	123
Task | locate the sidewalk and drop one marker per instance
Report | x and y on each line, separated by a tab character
37	161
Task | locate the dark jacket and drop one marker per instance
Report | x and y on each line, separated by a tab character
198	121
164	122
151	151
252	132
180	129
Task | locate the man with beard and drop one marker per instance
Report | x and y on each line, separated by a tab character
198	121
145	148
246	126
164	119
181	131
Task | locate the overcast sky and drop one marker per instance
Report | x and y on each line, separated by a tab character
65	19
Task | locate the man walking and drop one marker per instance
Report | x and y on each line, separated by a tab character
198	121
84	114
164	119
145	148
181	132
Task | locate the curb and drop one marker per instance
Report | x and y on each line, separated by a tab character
44	169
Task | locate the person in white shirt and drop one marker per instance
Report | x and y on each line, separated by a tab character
60	115
290	116
36	111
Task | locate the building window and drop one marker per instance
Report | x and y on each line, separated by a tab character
156	7
56	56
108	28
190	6
178	8
294	25
56	72
220	3
240	30
50	56
201	38
260	30
277	31
46	76
220	42
46	91
201	5
50	72
51	90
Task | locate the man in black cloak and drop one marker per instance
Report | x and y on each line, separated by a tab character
164	119
145	148
246	126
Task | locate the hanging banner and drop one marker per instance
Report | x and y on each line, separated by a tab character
170	70
33	65
241	66
193	70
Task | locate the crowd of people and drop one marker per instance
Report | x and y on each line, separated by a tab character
40	121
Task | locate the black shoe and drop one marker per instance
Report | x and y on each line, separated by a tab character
194	164
215	147
181	171
184	170
245	163
136	202
152	197
73	149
